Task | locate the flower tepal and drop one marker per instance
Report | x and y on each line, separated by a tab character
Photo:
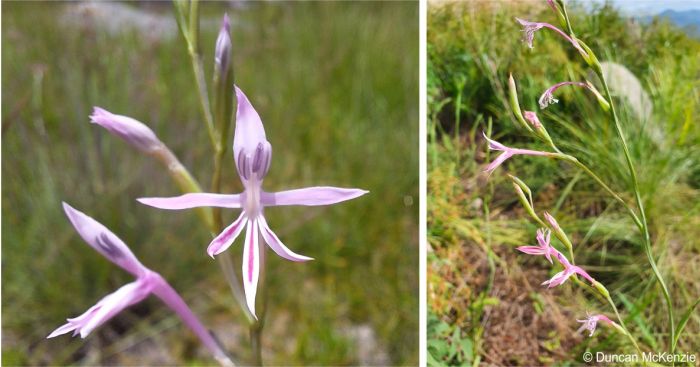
507	153
569	270
544	248
252	156
591	322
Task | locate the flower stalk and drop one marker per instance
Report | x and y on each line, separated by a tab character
641	221
638	214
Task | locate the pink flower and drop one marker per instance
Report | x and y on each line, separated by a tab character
147	281
252	154
569	270
552	222
531	117
529	28
544	248
547	97
507	153
132	131
591	321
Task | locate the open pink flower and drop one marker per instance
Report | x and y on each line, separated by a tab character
529	28
569	270
147	281
507	153
544	248
591	321
252	154
547	97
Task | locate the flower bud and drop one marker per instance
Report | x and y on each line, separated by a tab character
514	104
521	189
223	81
222	53
132	131
558	231
541	132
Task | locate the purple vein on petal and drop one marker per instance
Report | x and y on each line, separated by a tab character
226	238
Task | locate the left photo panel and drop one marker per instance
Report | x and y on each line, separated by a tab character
201	183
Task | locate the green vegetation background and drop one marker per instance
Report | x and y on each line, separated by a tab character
337	87
485	302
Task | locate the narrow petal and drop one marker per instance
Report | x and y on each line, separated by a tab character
251	264
116	302
68	327
531	250
498	161
104	241
107	308
194	200
557	279
225	239
583	327
276	245
494	145
249	128
311	196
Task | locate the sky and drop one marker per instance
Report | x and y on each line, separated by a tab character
652	7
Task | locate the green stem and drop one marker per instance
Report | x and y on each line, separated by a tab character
640	206
213	219
622	323
192	37
256	327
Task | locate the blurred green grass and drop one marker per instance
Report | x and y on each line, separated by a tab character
337	87
472	47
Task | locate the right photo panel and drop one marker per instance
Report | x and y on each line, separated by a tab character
563	165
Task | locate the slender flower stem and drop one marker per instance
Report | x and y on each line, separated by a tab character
622	323
213	221
192	39
168	295
640	206
642	223
256	328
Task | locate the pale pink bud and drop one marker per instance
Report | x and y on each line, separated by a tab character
132	131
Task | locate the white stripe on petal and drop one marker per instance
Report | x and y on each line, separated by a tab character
251	264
